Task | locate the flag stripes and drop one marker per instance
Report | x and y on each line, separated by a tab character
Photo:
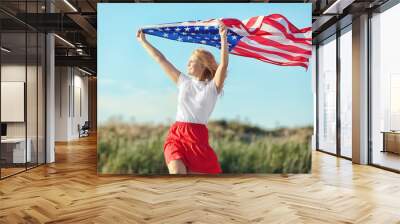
273	38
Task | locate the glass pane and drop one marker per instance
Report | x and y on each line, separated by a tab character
327	96
41	98
13	86
31	100
346	94
385	89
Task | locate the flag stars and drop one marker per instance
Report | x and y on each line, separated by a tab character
197	33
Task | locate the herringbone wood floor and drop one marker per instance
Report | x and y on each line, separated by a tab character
70	191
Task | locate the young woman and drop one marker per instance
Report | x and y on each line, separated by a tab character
186	148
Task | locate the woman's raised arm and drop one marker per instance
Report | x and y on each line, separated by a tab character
167	66
220	74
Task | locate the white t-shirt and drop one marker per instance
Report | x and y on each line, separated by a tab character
196	99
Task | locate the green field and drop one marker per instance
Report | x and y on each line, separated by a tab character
132	148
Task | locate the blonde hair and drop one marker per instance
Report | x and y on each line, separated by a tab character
207	59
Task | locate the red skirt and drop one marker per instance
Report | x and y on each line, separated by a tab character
189	142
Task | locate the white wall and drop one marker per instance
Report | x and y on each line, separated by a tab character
81	89
70	84
12	73
9	73
61	103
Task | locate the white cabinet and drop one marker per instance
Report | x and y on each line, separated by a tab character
17	146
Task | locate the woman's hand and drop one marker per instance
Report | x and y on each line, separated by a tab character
223	30
140	36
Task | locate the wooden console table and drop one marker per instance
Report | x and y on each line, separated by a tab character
391	141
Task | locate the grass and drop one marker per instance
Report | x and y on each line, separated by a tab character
132	148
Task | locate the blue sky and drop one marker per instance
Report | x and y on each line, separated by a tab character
132	85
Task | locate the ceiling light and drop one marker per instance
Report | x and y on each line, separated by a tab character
64	40
5	50
338	6
79	51
70	5
84	71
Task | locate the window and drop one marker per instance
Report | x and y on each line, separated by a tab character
327	95
385	89
22	78
346	92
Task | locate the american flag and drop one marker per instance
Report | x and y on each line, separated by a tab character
273	38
